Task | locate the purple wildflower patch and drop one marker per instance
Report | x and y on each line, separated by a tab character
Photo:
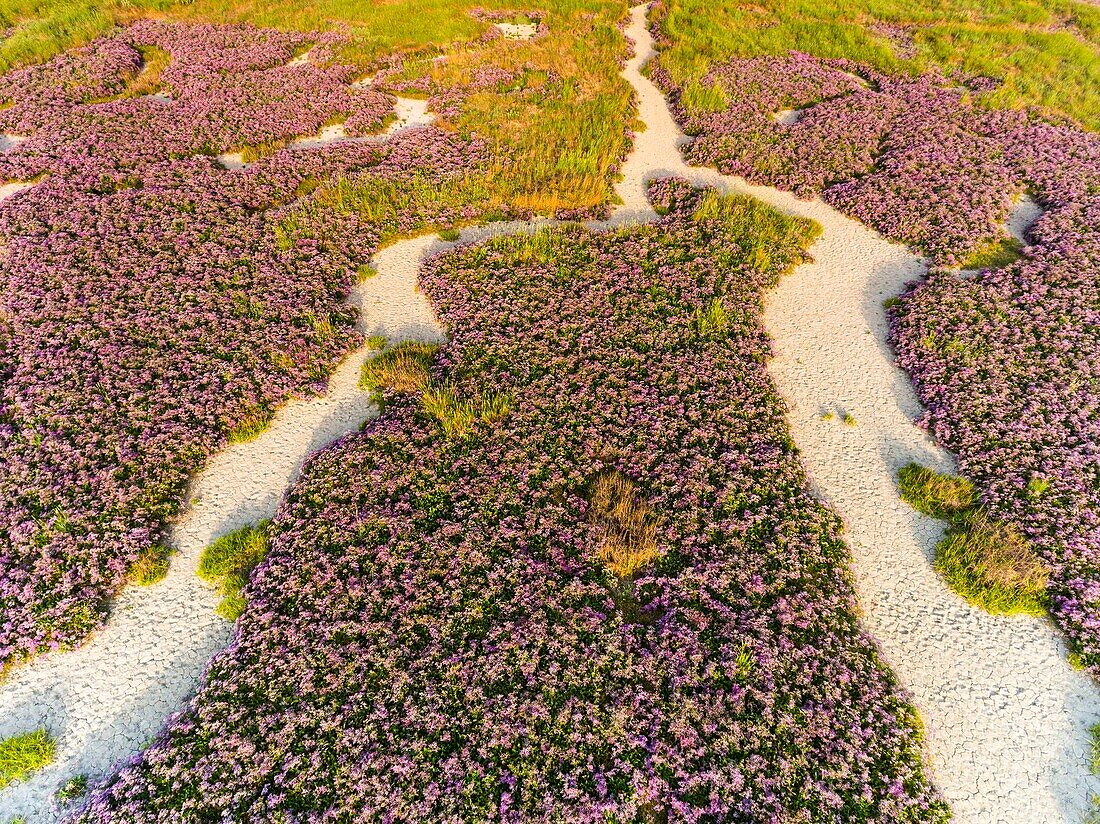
434	637
1006	364
152	302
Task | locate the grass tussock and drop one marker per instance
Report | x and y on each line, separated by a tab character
407	368
995	254
1094	753
987	562
700	99
146	80
250	426
76	787
627	525
458	416
1093	814
151	566
21	755
946	497
712	321
403	368
228	562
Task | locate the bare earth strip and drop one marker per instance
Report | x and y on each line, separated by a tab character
1006	716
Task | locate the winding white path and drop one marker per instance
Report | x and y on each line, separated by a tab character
106	699
1006	716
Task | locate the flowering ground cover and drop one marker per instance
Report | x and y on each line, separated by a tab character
572	573
1007	367
154	304
1043	53
1005	363
558	125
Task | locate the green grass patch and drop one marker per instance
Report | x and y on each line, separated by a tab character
228	562
994	254
250	426
457	415
151	566
1045	52
1092	816
700	99
405	367
21	755
76	787
770	241
946	497
154	61
1094	752
987	562
712	321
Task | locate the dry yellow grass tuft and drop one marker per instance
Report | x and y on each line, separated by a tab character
404	368
629	541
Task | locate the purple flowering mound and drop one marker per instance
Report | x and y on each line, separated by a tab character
1006	363
916	157
437	634
152	302
1008	367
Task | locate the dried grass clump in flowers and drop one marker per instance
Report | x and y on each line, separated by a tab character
627	526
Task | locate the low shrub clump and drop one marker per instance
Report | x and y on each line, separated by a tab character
21	755
987	562
619	602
